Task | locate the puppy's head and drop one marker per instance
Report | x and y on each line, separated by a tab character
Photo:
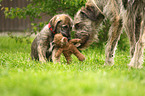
62	24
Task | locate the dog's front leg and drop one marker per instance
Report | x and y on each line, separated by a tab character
114	35
54	59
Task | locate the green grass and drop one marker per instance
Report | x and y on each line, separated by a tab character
20	76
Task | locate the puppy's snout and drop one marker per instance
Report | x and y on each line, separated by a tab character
64	34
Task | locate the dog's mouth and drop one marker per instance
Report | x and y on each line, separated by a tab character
66	35
84	36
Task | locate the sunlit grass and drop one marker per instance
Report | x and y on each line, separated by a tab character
20	76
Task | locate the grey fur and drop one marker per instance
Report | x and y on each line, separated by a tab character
129	14
42	47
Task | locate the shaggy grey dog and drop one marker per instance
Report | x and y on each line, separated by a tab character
129	14
42	47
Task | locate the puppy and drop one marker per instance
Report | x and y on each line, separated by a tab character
42	47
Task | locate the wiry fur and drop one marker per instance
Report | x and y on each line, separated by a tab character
42	48
129	14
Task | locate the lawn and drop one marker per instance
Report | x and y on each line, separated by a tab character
20	76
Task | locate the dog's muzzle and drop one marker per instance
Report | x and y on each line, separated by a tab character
84	36
66	35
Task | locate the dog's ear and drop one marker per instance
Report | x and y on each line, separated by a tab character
54	22
91	13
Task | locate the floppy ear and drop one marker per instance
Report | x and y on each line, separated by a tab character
91	13
54	22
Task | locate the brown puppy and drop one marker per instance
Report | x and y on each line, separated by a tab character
42	47
67	48
122	13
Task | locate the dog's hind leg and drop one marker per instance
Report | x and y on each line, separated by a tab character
42	54
137	59
114	35
129	29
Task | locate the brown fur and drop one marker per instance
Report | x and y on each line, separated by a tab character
129	14
42	47
67	48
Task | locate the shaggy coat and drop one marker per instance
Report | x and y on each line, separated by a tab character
42	47
129	14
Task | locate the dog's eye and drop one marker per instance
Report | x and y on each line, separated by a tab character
77	25
64	27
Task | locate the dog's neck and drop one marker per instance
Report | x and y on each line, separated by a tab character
50	28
